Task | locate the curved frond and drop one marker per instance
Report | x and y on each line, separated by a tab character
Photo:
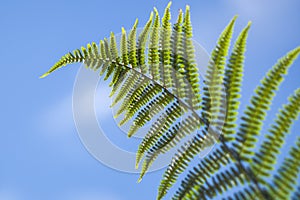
190	67
142	40
153	57
132	81
212	96
263	161
207	167
154	76
158	128
152	108
116	68
107	49
132	46
181	160
69	58
143	98
285	179
220	183
165	51
232	83
169	140
255	113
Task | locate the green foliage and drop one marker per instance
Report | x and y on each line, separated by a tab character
154	75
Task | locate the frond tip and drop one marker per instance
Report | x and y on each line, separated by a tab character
255	114
69	58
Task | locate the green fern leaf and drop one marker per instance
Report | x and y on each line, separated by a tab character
285	179
138	84
190	67
220	183
120	71
104	57
212	100
132	45
247	193
152	108
181	160
169	140
110	68
162	83
158	128
256	113
142	40
264	158
153	48
207	167
232	82
165	51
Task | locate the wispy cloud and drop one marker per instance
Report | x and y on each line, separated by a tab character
57	119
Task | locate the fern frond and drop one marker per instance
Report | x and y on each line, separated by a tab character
104	57
98	60
177	44
153	57
124	53
220	183
132	45
116	68
285	179
158	128
142	40
119	75
90	58
110	68
181	160
190	67
152	108
145	90
247	193
165	51
255	113
131	81
167	141
69	58
207	167
263	161
144	98
212	96
178	59
128	55
162	83
232	82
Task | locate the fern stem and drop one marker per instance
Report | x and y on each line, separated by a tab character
247	171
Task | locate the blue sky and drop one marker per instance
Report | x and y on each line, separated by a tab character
41	154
